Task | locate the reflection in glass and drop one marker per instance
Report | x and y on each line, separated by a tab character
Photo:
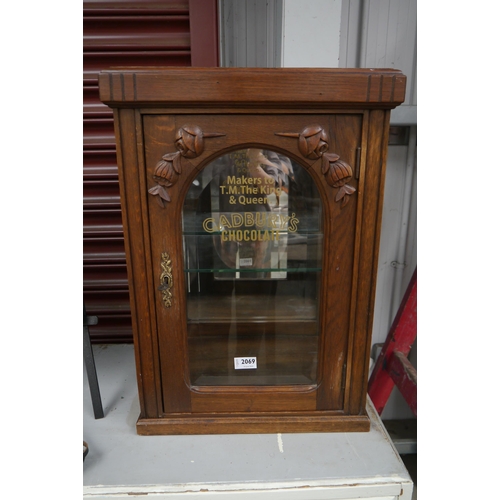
252	232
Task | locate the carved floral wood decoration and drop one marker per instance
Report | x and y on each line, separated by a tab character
313	144
189	142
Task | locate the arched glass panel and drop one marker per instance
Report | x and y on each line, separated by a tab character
253	242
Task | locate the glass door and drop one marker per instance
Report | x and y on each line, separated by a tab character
253	242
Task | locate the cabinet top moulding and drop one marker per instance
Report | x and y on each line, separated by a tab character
312	87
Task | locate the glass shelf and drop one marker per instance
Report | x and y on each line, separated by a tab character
258	270
251	308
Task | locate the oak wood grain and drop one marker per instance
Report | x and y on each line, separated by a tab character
170	124
225	86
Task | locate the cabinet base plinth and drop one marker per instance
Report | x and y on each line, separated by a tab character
229	424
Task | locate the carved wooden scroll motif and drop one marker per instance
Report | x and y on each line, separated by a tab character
189	142
313	144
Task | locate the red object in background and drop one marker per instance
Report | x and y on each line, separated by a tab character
392	366
125	33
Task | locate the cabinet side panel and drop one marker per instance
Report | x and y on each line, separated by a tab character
129	178
371	214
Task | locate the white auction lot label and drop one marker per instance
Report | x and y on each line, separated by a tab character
245	363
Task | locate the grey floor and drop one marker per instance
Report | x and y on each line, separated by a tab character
118	456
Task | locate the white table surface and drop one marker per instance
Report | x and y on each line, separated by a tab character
121	464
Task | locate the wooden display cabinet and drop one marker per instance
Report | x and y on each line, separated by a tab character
251	203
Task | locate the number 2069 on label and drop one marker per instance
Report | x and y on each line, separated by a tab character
245	363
